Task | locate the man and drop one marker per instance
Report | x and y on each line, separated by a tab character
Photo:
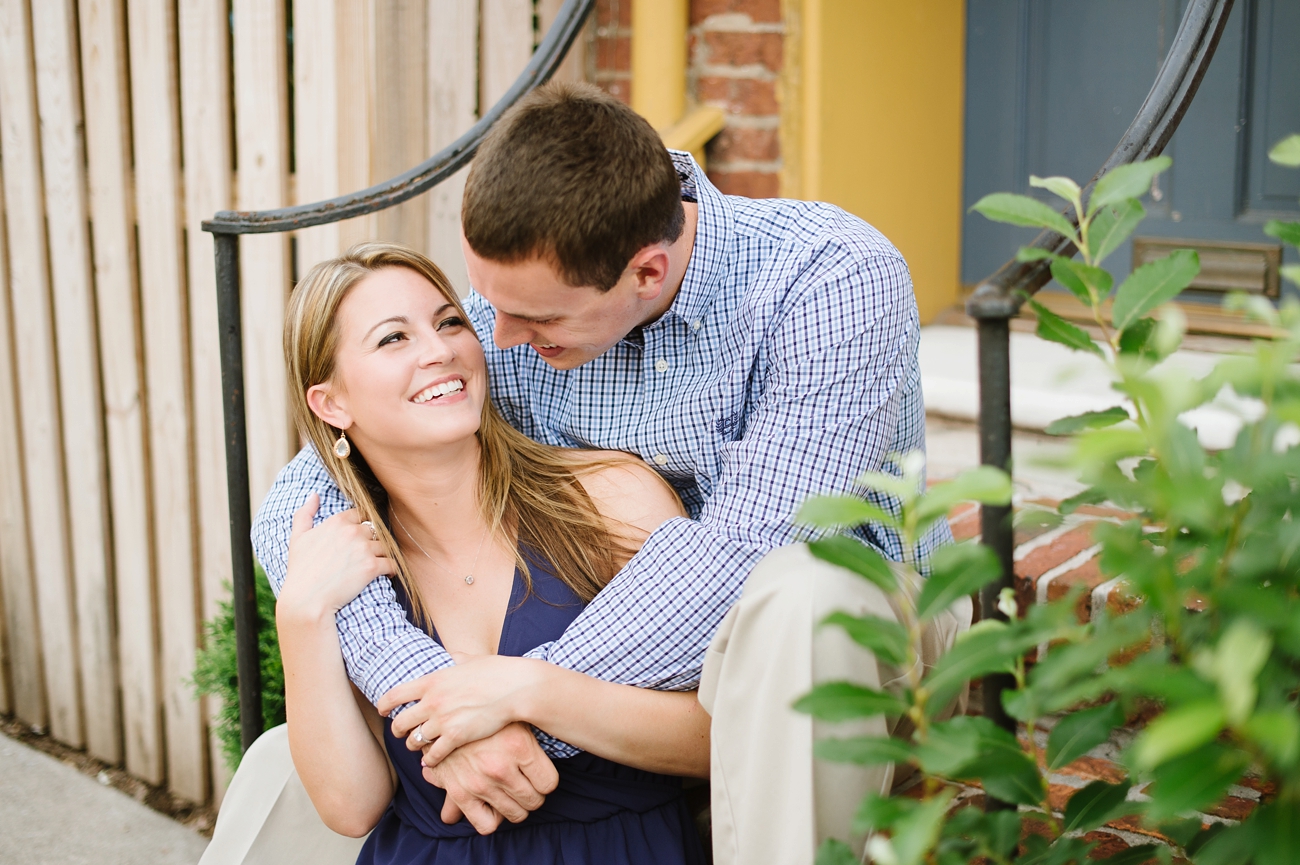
755	353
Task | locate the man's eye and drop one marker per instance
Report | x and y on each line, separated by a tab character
392	337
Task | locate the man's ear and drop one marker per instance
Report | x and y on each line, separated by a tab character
327	406
650	266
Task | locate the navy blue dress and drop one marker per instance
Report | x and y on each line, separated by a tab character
602	813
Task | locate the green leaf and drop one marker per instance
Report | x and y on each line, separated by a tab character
1133	339
853	555
835	852
913	834
1277	832
1291	272
1011	777
1277	733
1126	181
985	484
1286	152
1239	656
1063	187
1181	830
988	647
955	570
1088	420
864	750
843	701
1003	831
841	512
1030	518
1090	496
1287	232
1023	210
892	485
1193	781
1111	226
1033	253
1053	328
886	639
1079	732
1095	805
1089	284
1177	732
879	813
952	745
1153	284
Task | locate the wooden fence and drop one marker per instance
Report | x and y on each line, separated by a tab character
123	124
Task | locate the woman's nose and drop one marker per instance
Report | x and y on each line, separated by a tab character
436	350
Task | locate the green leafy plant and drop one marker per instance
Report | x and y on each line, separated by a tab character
1211	557
216	672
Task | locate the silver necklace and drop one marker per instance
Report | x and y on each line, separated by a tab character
469	578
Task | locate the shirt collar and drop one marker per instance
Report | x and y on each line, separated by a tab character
708	266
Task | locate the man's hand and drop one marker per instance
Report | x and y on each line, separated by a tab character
505	775
461	704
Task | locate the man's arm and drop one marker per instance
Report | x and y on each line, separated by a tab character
840	392
381	648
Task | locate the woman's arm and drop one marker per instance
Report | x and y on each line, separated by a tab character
342	765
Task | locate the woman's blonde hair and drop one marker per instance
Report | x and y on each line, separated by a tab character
524	488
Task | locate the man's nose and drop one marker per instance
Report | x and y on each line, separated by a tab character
510	331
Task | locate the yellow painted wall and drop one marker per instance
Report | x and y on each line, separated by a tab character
881	102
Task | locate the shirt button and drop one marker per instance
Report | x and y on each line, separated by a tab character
697	324
661	366
661	459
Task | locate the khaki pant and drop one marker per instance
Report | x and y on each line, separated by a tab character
771	801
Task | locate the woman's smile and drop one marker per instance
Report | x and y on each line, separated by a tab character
442	392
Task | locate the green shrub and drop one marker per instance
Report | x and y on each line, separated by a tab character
1221	529
216	672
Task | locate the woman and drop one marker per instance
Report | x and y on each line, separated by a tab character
496	543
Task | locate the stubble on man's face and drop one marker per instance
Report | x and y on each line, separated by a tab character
566	326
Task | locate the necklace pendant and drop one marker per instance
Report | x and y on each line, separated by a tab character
469	579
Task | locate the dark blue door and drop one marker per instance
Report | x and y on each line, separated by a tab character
1052	85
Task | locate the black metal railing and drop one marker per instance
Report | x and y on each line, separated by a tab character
998	299
994	302
228	225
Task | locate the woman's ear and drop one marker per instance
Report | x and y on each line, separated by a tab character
327	406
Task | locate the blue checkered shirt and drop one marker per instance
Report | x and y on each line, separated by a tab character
786	366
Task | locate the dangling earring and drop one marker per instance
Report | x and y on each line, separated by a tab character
342	449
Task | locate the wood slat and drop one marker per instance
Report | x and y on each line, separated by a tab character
261	134
152	32
452	87
25	697
356	129
58	87
33	327
506	43
112	213
400	103
316	121
574	67
205	124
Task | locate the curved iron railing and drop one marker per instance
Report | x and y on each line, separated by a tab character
226	227
998	299
995	301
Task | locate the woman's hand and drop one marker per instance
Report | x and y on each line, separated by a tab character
329	565
470	701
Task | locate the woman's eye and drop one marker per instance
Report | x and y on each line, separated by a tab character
392	337
454	321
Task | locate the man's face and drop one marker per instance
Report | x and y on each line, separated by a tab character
567	326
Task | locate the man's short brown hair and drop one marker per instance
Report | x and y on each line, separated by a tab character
575	176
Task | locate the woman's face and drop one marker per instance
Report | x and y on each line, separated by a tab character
409	373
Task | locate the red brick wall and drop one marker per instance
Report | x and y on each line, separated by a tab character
735	56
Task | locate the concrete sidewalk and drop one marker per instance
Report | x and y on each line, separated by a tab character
51	814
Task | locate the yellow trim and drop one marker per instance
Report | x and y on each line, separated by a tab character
659	61
810	172
694	130
883	90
